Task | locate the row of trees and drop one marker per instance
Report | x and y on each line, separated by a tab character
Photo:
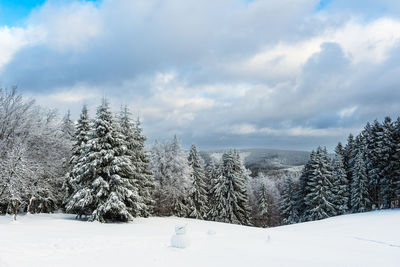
363	175
99	168
186	188
34	152
112	178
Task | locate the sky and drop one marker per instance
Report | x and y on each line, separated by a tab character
287	74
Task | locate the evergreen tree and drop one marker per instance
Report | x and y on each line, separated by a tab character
396	164
341	187
81	137
340	150
213	179
360	201
198	194
263	208
387	193
320	199
105	188
375	161
303	189
348	156
142	175
288	202
229	194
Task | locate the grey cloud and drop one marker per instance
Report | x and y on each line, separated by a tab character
138	38
195	41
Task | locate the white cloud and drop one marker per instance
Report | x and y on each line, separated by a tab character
69	26
206	68
12	39
347	112
363	42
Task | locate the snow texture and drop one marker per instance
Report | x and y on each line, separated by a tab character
366	239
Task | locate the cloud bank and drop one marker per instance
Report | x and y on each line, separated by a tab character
229	73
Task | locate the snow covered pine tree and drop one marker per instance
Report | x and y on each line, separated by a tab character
142	176
320	200
105	190
198	195
229	193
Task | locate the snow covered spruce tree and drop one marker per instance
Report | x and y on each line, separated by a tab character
289	202
387	193
395	162
360	201
375	162
229	194
320	199
303	189
198	195
341	187
349	153
81	138
142	175
105	187
212	178
173	179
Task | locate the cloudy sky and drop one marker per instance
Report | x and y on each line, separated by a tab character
291	74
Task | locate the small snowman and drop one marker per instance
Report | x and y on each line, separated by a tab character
179	239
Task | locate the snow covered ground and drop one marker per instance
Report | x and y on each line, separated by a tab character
369	239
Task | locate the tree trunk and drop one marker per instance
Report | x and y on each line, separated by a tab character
15	206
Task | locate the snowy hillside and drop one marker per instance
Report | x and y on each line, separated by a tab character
369	239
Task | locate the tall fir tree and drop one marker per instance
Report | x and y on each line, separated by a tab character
396	163
374	163
320	200
360	201
263	205
198	194
213	179
340	150
387	193
229	194
341	187
105	188
289	202
81	138
303	189
142	175
348	156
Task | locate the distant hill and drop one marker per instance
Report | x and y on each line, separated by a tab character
265	160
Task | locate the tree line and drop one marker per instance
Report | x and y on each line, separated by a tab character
113	178
363	175
100	169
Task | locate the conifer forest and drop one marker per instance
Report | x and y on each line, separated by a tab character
101	169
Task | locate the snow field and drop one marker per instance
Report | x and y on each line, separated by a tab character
368	239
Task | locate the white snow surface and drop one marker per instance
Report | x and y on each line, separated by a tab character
368	239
